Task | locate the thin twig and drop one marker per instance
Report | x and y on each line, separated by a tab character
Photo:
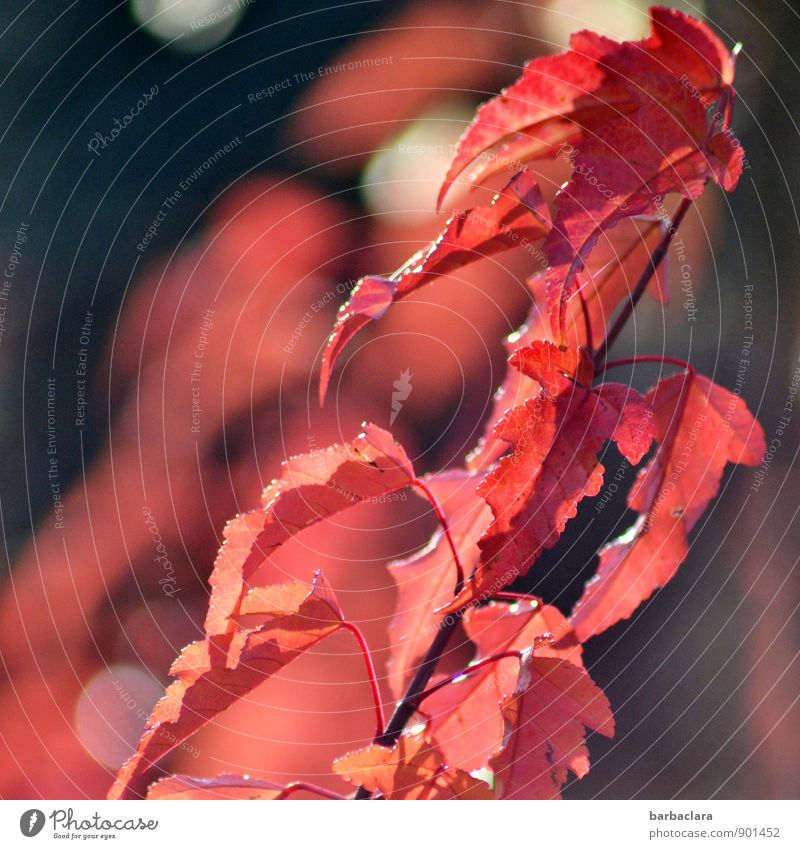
417	688
408	704
647	275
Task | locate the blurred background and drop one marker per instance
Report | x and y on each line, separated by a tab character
189	189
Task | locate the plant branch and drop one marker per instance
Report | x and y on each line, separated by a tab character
408	704
380	720
417	691
647	275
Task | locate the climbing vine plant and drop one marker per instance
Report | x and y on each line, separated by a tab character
638	121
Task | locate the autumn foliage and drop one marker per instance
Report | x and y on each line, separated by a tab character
639	121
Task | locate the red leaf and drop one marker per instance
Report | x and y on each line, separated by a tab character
700	428
209	789
296	618
565	98
465	722
515	217
426	580
213	674
553	465
555	369
612	271
312	487
544	728
626	169
687	47
411	769
726	160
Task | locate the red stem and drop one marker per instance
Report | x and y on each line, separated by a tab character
303	786
651	358
373	678
468	671
507	596
437	509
